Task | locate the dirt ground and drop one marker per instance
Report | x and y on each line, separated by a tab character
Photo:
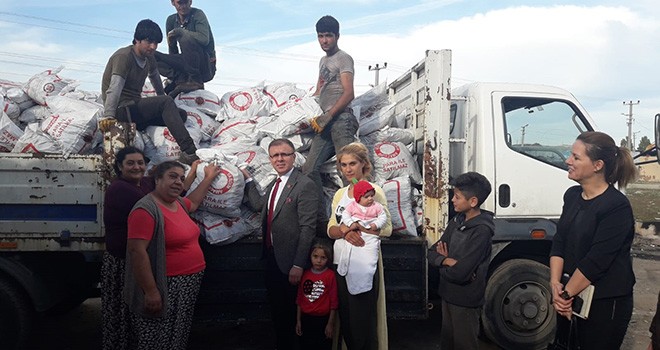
80	329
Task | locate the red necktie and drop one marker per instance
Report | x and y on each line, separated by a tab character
271	208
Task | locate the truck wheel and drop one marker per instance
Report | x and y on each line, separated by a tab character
518	313
15	316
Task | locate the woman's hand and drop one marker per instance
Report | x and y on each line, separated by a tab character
211	171
298	328
561	305
354	238
153	302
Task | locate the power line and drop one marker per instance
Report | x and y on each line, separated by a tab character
64	22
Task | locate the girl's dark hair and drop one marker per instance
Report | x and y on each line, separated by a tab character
121	155
619	166
147	29
162	168
326	249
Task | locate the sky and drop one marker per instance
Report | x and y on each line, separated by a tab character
604	52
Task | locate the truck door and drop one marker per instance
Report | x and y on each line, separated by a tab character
533	135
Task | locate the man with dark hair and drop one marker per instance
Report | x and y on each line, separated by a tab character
288	214
191	60
121	89
337	126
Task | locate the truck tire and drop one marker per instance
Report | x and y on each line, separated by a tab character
518	313
15	316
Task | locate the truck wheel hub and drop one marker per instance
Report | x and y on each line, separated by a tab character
524	307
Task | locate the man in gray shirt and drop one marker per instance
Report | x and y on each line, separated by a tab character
337	126
121	88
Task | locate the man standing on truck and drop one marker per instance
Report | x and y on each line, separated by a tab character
288	214
337	126
191	60
121	89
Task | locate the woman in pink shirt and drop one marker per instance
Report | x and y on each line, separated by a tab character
165	264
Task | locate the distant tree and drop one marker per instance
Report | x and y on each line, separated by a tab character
643	143
623	143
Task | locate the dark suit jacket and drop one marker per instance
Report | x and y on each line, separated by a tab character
294	219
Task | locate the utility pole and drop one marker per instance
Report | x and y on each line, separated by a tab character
635	138
377	68
629	122
522	132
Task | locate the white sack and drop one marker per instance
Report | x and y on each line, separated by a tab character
246	103
225	195
377	120
405	136
207	125
20	97
46	84
204	100
399	203
10	108
148	89
281	94
72	123
392	159
36	141
295	117
221	230
365	105
34	114
244	131
160	146
9	133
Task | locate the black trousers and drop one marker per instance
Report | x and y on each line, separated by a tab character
313	333
160	111
192	64
282	300
606	326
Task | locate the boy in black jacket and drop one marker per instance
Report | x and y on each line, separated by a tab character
462	254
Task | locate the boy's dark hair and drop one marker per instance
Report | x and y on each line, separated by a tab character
326	249
327	24
147	29
473	184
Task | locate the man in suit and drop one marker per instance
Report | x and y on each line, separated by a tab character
289	214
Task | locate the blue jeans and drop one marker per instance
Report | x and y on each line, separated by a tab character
338	133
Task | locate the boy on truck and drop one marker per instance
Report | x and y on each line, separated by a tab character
462	254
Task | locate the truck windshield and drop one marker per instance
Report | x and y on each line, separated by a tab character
541	128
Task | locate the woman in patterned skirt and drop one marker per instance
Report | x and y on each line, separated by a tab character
164	264
129	186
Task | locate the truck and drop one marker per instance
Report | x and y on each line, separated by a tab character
517	135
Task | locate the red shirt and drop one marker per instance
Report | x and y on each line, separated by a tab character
317	293
183	255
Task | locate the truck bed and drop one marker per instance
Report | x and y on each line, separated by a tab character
51	203
233	287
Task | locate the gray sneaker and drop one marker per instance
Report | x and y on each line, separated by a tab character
187	159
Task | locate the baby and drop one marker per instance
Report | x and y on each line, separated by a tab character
359	264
